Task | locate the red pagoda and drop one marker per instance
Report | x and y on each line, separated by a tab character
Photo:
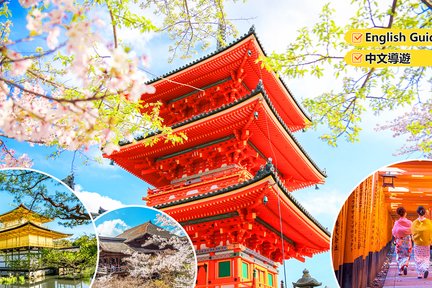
229	183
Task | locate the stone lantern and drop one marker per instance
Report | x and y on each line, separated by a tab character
306	281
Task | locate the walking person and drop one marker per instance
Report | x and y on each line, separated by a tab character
402	233
422	236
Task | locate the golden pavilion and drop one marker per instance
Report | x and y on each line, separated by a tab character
22	236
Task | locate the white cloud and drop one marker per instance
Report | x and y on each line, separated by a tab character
111	228
323	205
93	201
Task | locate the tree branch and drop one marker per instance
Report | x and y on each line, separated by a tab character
113	23
51	98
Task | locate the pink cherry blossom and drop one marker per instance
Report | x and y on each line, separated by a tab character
56	16
52	39
29	3
119	61
19	63
110	148
8	158
67	4
64	110
416	126
34	21
6	108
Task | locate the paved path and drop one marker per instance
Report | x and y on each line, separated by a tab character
410	280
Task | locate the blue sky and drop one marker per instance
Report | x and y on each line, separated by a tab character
115	222
346	165
7	203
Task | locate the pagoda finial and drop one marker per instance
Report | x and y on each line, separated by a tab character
69	181
251	29
101	210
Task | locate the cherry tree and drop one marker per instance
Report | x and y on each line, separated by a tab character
174	265
9	159
417	126
81	86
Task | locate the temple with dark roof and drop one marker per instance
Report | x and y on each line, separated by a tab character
220	184
114	250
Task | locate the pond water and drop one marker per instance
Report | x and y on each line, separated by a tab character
53	282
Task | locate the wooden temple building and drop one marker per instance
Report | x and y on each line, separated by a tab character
362	234
22	236
114	250
229	184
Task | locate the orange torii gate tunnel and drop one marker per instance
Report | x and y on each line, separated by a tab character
220	184
362	236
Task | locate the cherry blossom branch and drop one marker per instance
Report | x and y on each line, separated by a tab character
8	158
59	100
25	58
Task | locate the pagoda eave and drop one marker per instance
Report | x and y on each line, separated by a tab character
22	211
241	121
32	227
240	57
298	224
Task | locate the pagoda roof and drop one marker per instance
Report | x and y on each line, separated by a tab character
246	183
114	245
218	66
23	212
291	159
299	225
118	245
35	227
140	230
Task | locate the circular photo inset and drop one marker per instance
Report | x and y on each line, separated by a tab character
47	237
143	247
383	234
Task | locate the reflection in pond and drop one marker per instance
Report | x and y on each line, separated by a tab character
53	282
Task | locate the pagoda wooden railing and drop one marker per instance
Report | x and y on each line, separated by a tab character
211	183
187	185
24	243
166	194
112	270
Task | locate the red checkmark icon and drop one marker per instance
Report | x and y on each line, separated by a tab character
357	37
356	58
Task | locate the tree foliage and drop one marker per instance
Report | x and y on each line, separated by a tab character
319	50
82	85
44	195
83	260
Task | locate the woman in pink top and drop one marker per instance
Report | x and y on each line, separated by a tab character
402	234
